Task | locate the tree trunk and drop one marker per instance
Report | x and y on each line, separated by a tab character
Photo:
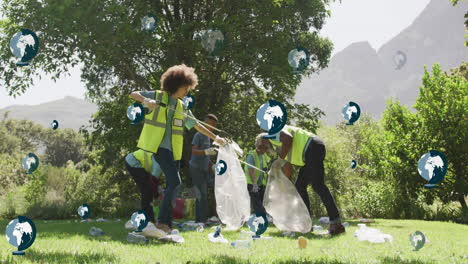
461	199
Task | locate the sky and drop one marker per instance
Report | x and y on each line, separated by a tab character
375	21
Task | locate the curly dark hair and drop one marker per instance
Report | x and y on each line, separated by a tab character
178	76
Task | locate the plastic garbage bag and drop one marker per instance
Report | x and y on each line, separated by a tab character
232	197
371	234
283	202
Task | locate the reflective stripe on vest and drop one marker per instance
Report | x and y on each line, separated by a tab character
300	138
257	173
155	126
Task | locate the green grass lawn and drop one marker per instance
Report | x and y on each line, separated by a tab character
70	242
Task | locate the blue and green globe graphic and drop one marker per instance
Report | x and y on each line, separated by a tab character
30	163
432	166
21	233
258	223
24	45
272	116
139	220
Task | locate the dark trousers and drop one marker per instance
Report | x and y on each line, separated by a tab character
313	173
170	168
200	182
256	199
143	182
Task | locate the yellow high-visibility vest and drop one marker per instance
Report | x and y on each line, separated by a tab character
144	158
155	126
257	174
300	138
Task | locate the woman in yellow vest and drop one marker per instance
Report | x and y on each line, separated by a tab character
301	148
143	167
256	180
163	130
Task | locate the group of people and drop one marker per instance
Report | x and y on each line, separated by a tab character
160	151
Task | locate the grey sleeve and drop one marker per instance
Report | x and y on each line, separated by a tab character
148	94
196	139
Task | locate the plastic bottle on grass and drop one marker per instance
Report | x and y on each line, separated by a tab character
94	231
317	228
241	244
137	239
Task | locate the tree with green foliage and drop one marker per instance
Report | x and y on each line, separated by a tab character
439	124
64	145
117	57
443	113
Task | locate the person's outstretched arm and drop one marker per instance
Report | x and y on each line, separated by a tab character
202	129
148	102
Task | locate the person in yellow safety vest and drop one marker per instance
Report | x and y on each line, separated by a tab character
163	130
143	167
256	180
301	148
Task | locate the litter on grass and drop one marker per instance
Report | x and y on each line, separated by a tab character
372	235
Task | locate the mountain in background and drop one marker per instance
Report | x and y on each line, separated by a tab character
70	112
369	77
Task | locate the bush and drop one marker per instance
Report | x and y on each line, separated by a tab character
376	199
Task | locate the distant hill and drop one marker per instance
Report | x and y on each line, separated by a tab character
369	77
70	112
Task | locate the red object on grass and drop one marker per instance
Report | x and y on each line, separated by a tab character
179	208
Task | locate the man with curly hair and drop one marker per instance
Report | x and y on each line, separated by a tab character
163	130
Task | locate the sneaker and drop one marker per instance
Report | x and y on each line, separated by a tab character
129	225
164	227
336	229
152	231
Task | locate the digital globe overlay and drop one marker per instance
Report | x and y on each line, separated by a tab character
299	59
20	233
272	116
84	211
135	113
351	112
139	220
220	167
30	163
24	45
258	223
432	167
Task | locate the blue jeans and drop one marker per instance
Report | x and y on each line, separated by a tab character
170	168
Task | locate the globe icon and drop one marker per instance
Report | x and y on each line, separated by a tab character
353	164
30	163
135	113
258	223
84	211
149	22
221	167
399	60
432	166
139	220
417	240
212	41
54	125
24	45
351	112
272	116
20	233
299	59
189	101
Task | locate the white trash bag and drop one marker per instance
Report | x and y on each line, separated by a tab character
283	202
232	196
